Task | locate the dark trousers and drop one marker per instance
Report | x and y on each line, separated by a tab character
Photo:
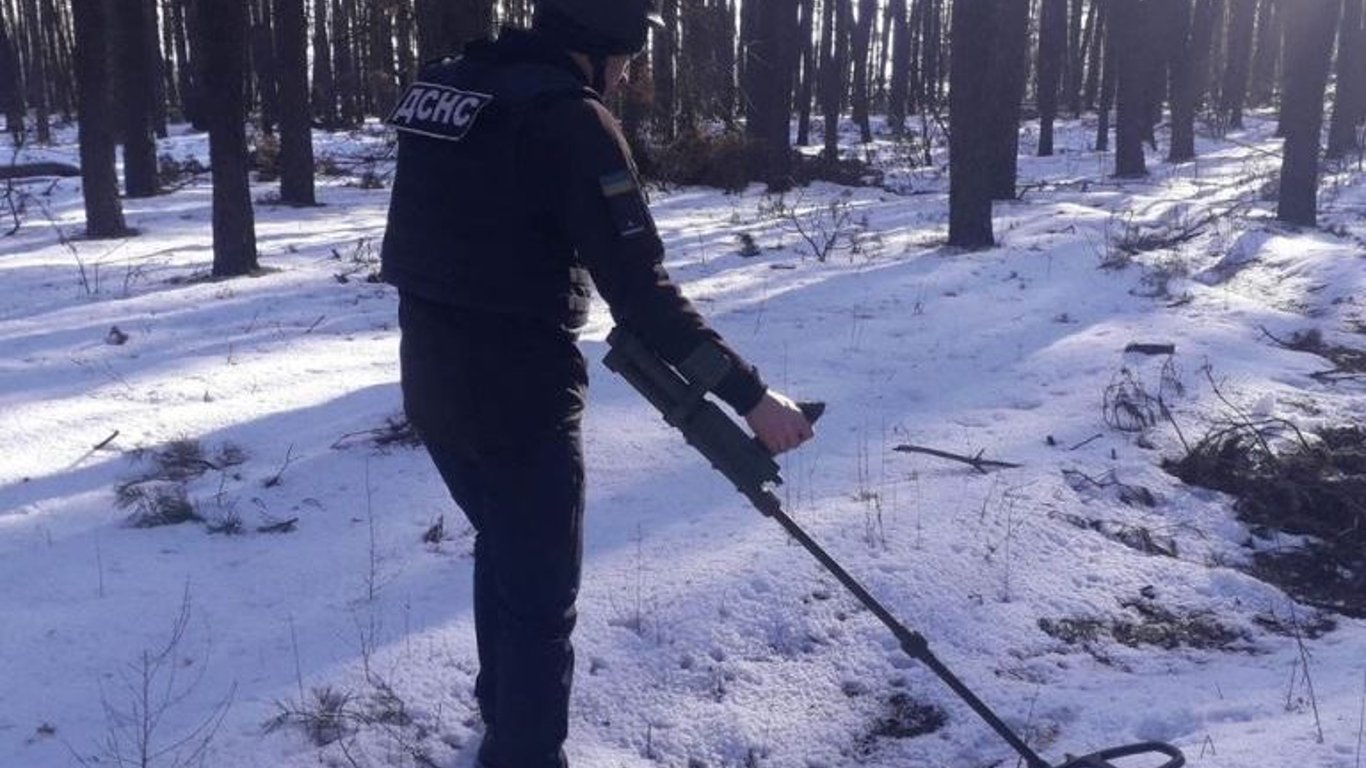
498	404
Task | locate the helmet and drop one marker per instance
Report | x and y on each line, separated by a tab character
598	27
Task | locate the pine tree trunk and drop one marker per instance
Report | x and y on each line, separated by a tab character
383	75
1133	72
971	97
99	178
11	85
403	41
1189	78
324	87
1052	40
264	65
898	93
344	63
1095	34
1238	67
1010	76
1309	51
834	56
1349	106
662	61
1266	60
769	72
1108	66
135	48
296	115
809	71
862	37
36	68
1078	36
221	55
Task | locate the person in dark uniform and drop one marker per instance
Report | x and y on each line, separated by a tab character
514	187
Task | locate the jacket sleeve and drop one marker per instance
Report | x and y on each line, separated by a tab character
593	196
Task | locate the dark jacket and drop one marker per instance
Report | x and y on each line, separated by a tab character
514	185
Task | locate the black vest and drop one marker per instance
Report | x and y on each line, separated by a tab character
464	228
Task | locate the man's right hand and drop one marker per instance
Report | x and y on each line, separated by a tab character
778	423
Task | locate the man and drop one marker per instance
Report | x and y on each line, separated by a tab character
514	186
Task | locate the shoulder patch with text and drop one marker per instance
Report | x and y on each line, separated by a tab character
438	111
626	203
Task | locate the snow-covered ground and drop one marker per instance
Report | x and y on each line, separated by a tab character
705	638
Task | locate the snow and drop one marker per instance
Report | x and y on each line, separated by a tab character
705	636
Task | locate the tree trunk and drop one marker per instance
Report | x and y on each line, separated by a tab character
343	63
1349	106
934	70
296	116
264	65
135	47
99	179
810	74
36	69
971	101
898	93
1052	41
1266	61
1237	68
1132	121
1010	75
383	77
1078	37
662	61
11	85
1095	33
403	41
769	71
862	36
324	86
1108	62
222	69
834	55
1309	52
1189	78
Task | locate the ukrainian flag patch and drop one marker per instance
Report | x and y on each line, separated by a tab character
619	183
625	203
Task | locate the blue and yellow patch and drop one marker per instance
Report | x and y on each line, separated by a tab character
625	203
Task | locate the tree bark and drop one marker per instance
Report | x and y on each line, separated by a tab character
135	47
1128	21
1107	36
99	179
898	92
810	74
1309	51
11	85
1052	49
221	48
1189	78
769	72
1349	106
324	86
1238	65
662	67
971	98
834	56
1266	61
264	65
36	69
1009	77
296	121
861	38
